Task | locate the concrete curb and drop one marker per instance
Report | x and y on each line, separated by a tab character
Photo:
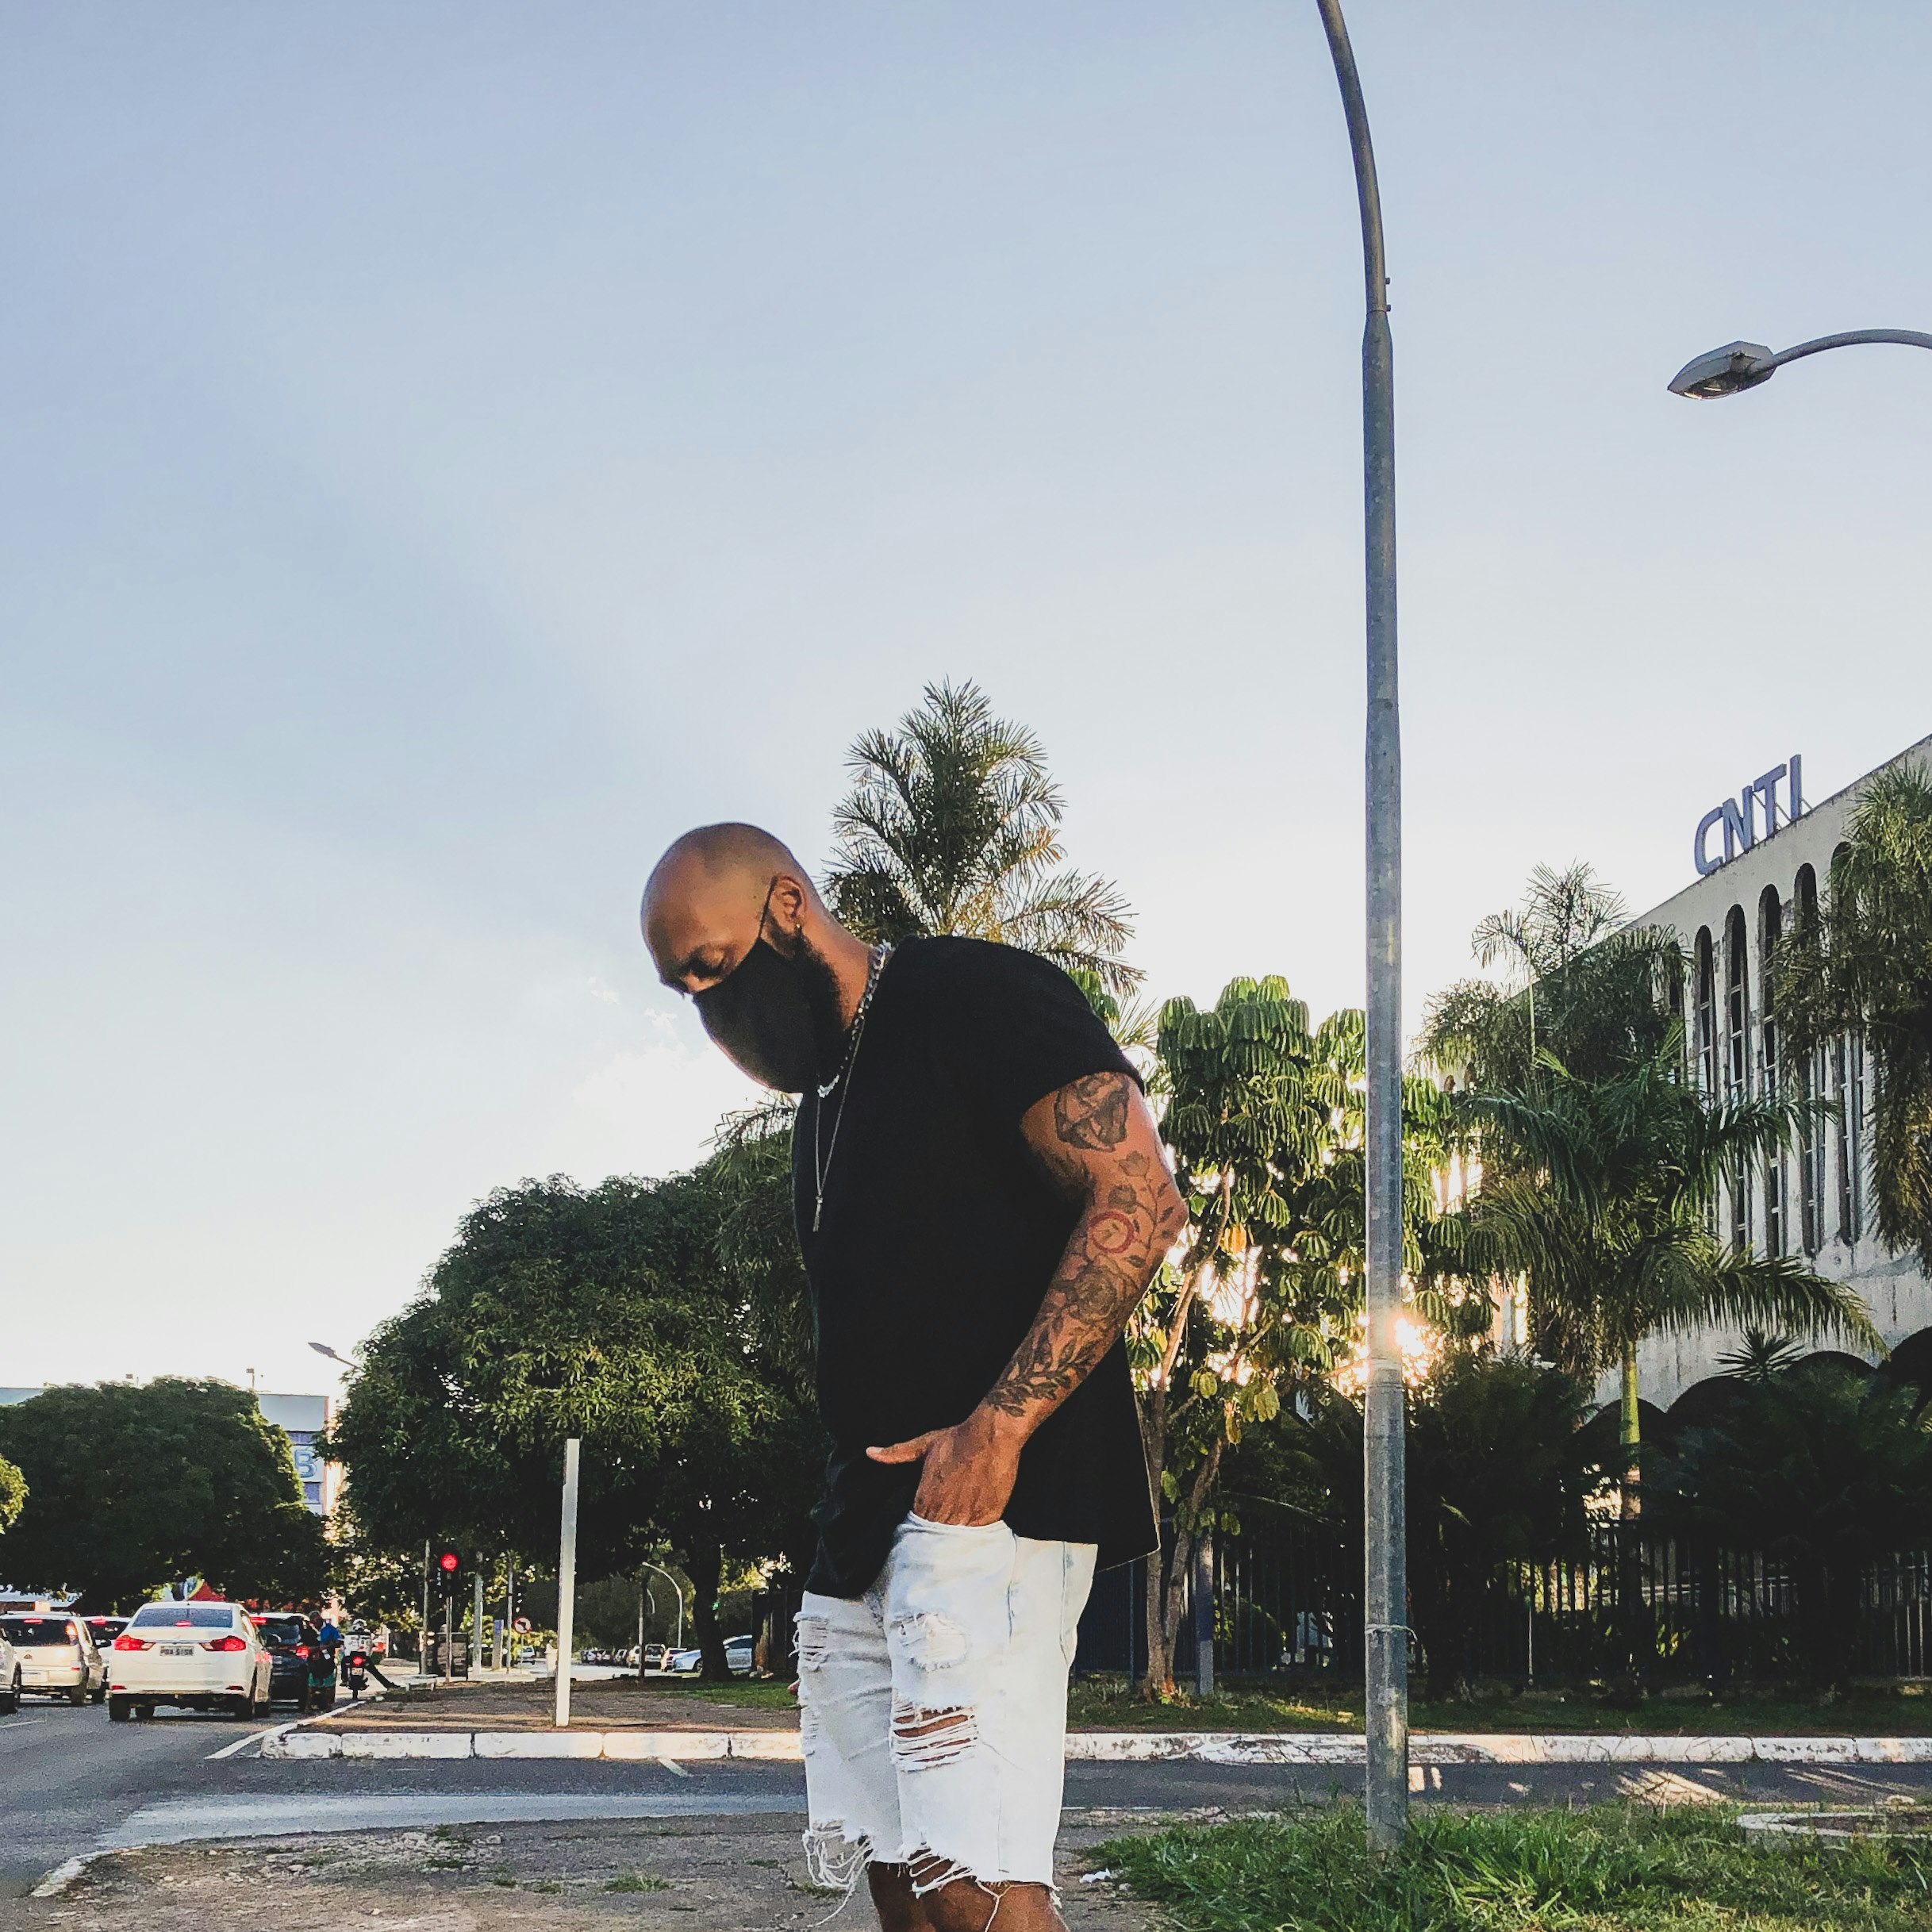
1122	1747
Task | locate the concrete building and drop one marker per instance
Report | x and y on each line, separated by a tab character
1764	860
302	1419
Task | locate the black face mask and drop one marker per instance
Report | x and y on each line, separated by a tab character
778	1018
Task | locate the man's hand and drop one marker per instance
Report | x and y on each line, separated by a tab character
969	1471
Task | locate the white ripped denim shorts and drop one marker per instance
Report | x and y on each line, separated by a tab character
934	1708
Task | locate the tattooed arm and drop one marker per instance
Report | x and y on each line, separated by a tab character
1098	1142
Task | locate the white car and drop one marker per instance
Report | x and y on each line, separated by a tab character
10	1678
54	1654
737	1653
202	1656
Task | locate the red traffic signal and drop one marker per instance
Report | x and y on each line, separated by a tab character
449	1562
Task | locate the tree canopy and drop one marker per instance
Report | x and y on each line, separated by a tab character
952	825
12	1493
1578	986
608	1313
132	1486
1265	1116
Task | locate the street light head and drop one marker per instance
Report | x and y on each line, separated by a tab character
1723	372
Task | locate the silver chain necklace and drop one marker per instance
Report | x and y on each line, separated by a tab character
821	1169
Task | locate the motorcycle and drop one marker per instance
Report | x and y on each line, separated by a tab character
355	1669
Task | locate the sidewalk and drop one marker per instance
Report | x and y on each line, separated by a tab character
705	1875
629	1721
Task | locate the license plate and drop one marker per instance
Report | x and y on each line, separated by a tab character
178	1649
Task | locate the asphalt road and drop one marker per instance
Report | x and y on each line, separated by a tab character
71	1782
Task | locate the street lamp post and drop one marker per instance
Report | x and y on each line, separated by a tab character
1743	365
1385	1592
677	1597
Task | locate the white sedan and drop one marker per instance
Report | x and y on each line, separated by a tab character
201	1656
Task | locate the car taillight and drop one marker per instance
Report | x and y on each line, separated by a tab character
227	1643
133	1643
302	1650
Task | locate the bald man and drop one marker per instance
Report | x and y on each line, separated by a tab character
981	1196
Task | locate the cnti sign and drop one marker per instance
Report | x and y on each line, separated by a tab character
1739	816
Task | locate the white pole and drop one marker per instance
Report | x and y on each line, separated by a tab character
566	1584
476	1628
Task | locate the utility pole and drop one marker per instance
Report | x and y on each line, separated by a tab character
476	1626
566	1584
1385	1580
423	1640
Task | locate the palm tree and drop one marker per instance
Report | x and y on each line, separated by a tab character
1868	969
1578	983
953	825
1600	1201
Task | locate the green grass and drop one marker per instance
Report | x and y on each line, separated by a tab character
747	1693
1113	1704
636	1881
1613	1868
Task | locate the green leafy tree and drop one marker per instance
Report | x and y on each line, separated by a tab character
1818	1465
952	825
1867	968
1265	1120
1599	1196
605	1314
12	1493
1496	1475
200	1486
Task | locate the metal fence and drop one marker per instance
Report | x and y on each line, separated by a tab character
1676	1611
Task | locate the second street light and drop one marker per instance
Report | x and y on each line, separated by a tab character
1385	1569
1740	366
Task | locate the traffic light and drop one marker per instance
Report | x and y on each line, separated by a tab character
449	1562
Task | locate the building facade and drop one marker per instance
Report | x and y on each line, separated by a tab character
1764	862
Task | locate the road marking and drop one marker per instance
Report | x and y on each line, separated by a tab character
258	1818
254	1736
21	1723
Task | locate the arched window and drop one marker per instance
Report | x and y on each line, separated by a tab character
1707	1015
1738	1058
1848	1092
1771	1073
1808	1075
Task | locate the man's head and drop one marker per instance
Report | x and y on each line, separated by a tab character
733	919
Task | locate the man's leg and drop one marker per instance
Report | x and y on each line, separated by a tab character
980	1626
964	1906
845	1729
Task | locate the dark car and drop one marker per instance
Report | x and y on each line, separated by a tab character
302	1671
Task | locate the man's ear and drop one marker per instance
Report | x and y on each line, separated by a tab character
789	904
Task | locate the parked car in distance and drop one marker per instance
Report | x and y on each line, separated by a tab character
657	1656
737	1653
197	1656
301	1670
10	1678
56	1655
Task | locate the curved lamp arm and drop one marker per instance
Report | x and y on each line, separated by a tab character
656	1571
1744	365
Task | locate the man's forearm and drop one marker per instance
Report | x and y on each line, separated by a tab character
1127	1224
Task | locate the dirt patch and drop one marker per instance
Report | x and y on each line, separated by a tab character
686	1875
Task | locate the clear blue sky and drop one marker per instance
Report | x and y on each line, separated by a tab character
451	448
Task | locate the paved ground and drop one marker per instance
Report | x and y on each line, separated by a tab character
70	1783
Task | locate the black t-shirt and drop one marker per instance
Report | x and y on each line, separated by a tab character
939	1235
